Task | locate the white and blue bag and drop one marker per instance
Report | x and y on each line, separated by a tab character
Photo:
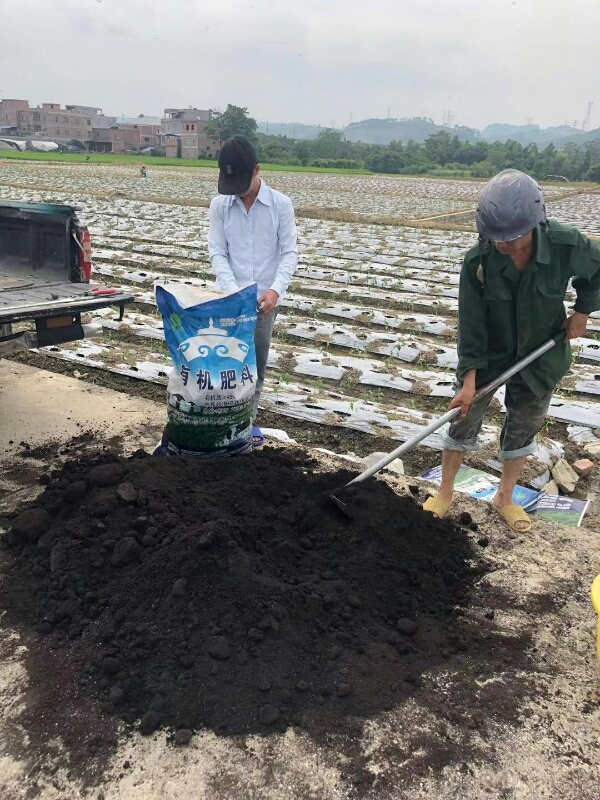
210	337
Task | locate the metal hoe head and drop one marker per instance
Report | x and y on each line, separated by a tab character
340	505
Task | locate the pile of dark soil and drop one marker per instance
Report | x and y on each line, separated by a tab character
233	594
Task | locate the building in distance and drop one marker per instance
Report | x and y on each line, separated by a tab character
9	115
181	132
189	124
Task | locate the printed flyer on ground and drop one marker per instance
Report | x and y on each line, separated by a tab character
483	486
564	510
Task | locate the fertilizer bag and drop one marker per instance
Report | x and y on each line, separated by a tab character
210	336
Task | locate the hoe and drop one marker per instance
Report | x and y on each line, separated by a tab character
437	423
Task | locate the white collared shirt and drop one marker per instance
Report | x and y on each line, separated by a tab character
256	245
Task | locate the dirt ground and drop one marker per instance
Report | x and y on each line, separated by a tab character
522	721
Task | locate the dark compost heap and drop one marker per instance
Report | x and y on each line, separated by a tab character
232	594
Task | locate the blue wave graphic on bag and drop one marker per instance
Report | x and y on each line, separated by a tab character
211	388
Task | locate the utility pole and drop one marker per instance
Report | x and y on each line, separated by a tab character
588	116
529	121
388	116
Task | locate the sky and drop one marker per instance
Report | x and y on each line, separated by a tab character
313	61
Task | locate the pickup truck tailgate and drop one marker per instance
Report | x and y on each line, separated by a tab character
23	299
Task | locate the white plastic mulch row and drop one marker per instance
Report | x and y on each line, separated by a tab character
360	269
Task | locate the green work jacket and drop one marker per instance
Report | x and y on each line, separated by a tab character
504	314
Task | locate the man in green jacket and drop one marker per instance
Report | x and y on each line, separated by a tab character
512	300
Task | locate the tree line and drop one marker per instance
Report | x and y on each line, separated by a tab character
440	153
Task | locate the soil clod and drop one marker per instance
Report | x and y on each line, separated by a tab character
105	474
127	492
407	626
218	647
126	551
268	714
74	491
150	722
182	737
31	524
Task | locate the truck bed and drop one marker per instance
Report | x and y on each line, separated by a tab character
42	279
23	299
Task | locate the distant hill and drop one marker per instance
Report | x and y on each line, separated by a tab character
527	134
371	131
558	136
295	130
502	130
383	131
578	138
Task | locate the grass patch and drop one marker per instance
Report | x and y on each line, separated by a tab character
452	173
157	161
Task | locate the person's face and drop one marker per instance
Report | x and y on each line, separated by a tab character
253	182
517	247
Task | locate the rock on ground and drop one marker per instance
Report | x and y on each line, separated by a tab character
551	487
565	476
583	467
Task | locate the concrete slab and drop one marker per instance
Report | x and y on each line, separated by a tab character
62	406
41	413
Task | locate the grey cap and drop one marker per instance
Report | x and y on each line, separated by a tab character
510	206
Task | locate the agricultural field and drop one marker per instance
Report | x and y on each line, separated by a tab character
582	210
369	196
339	695
365	341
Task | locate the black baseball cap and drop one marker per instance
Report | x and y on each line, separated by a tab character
237	160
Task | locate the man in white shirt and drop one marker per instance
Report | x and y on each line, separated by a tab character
252	238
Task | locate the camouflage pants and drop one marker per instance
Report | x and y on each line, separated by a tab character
525	415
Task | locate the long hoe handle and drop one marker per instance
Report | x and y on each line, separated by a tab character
454	412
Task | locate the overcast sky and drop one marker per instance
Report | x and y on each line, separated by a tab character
314	61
